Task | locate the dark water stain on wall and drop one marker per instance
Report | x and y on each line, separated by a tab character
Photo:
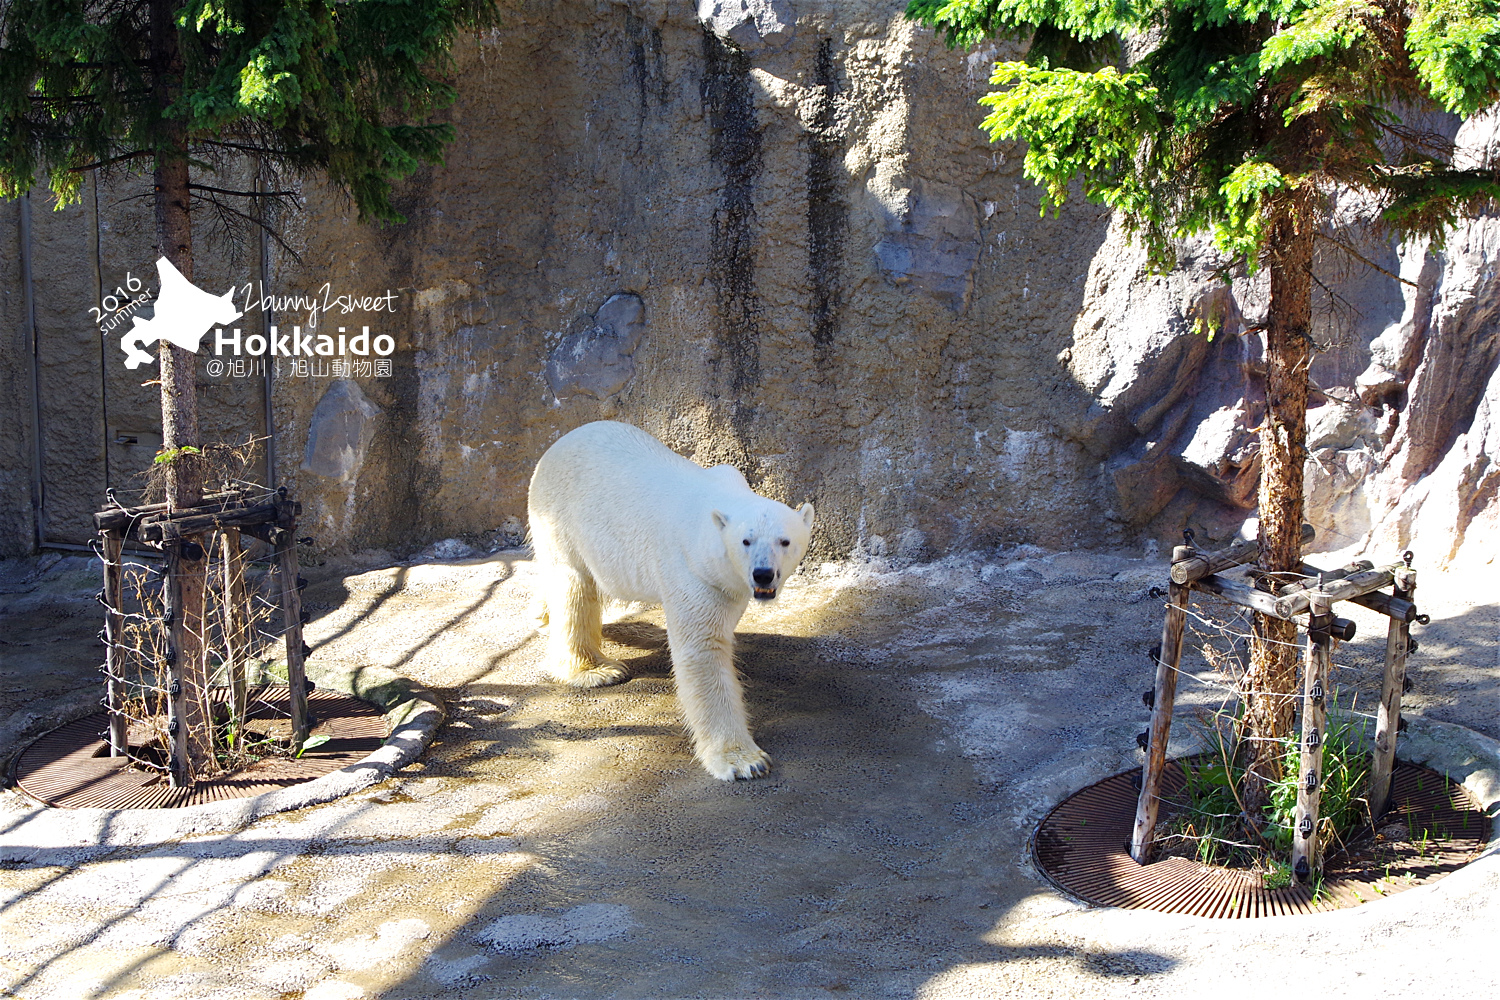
735	148
827	212
394	482
648	63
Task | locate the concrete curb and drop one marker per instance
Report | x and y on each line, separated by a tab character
414	714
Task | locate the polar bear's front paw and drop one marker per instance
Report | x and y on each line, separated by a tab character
601	676
738	762
594	675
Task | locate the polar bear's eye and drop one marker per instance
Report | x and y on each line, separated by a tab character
785	542
747	541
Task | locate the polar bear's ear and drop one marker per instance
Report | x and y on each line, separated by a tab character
806	510
720	521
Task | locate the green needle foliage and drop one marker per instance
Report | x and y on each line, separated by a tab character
1231	103
342	87
1244	118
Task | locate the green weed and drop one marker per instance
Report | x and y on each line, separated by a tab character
1213	827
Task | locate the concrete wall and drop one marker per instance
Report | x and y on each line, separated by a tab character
843	289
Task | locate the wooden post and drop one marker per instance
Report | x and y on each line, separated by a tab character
1305	854
1161	713
234	614
291	610
1388	718
113	543
177	714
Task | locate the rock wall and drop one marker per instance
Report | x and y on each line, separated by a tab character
772	234
1402	423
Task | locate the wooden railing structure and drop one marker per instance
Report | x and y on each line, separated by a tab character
1314	596
188	535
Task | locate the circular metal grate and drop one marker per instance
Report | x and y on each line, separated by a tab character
70	767
1083	847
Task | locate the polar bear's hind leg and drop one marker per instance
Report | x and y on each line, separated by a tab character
575	634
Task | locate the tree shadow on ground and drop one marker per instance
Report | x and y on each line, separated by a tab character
867	863
874	860
1455	672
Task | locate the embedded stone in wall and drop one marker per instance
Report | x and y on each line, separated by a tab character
598	360
1396	352
749	24
343	425
934	246
1343	451
1147	486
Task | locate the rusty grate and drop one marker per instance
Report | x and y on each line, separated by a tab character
70	767
1083	847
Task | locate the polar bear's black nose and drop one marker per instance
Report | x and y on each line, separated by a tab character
763	577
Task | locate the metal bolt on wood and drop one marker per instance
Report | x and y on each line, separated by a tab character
234	624
291	609
1388	717
114	628
1305	855
181	772
1161	713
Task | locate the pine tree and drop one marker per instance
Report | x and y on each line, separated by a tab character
1244	118
343	88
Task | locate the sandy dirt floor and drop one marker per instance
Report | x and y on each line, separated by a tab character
561	844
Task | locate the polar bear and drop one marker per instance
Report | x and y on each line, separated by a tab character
615	512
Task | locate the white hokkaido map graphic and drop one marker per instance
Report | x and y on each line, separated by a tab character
184	313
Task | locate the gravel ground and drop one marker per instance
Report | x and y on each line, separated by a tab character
561	844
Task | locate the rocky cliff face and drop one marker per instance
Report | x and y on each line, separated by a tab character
1401	428
1434	382
771	233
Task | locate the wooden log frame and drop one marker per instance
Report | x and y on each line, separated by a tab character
154	524
1197	566
1167	662
123	518
1306	859
230	513
1359	583
1238	593
1312	577
1354	585
1270	604
1388	717
185	524
1392	606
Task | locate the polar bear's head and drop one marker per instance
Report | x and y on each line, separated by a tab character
764	543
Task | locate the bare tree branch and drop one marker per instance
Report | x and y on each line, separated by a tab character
244	194
1362	258
138	154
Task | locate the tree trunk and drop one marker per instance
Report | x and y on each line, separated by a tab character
1271	680
179	393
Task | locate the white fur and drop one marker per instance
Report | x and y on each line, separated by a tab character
614	511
